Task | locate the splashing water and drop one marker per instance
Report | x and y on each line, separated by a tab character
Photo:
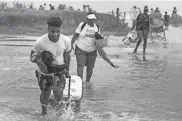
68	114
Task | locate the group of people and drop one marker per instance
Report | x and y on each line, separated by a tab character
58	48
53	49
141	22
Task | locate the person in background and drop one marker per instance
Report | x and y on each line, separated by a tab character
166	19
157	9
152	10
142	27
86	49
174	12
134	13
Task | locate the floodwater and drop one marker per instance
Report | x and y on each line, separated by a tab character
144	88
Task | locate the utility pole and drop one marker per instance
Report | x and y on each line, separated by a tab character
117	15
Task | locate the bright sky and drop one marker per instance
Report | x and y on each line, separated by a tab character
109	5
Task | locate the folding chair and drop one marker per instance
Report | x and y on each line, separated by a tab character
157	28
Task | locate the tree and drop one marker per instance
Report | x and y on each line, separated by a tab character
61	7
3	4
18	5
84	8
70	8
41	7
51	7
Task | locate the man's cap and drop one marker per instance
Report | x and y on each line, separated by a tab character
91	16
55	21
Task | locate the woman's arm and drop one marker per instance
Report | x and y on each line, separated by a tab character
103	54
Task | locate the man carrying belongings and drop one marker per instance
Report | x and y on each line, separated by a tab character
51	53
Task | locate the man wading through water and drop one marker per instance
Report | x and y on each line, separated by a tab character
142	27
86	48
58	47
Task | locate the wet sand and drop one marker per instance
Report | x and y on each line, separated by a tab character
144	88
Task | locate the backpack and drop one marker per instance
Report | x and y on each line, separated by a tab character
83	25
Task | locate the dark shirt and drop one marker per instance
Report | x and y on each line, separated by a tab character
142	22
166	18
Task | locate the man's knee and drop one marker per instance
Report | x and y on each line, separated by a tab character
58	93
44	96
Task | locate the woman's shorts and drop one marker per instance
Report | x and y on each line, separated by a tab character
84	58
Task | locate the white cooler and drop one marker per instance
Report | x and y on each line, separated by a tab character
75	88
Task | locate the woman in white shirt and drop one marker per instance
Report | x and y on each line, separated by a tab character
86	49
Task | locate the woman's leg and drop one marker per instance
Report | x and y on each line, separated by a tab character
145	37
139	33
90	63
81	60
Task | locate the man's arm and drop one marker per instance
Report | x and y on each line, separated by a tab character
103	54
36	51
32	57
75	37
67	59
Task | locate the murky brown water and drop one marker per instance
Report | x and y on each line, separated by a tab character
144	88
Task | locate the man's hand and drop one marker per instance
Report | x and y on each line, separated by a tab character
72	47
34	57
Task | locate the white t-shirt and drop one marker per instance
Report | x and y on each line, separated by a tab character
86	40
57	49
134	13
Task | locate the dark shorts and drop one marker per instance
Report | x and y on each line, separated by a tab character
46	82
85	58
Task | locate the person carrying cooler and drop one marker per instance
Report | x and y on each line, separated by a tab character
58	48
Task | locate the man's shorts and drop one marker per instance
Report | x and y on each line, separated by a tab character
85	58
46	82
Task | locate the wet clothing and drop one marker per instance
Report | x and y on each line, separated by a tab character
46	82
142	22
57	49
